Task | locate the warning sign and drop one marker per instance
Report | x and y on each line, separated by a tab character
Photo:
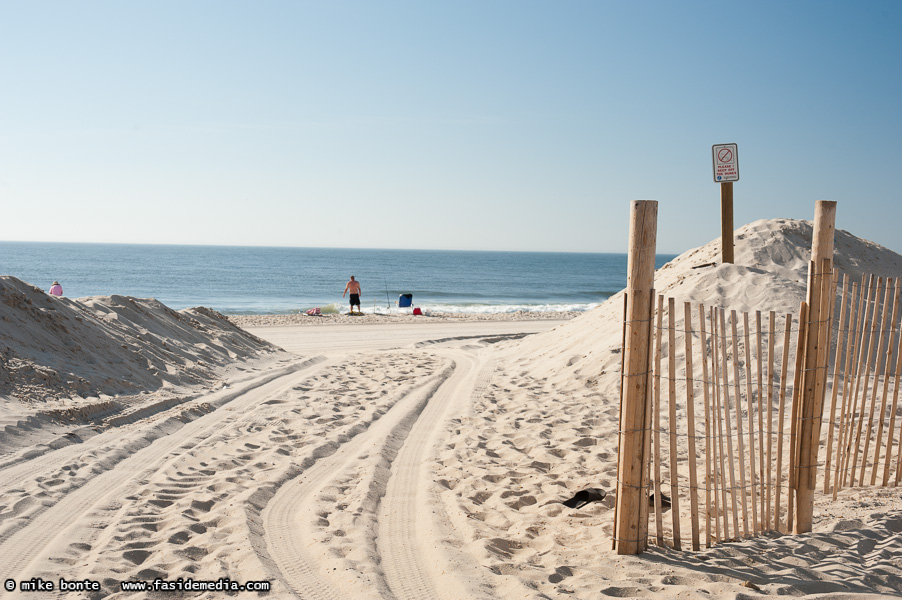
726	162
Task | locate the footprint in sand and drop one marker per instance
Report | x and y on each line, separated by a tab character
560	574
624	592
136	556
503	548
193	553
542	467
203	506
147	575
523	501
198	528
179	538
480	497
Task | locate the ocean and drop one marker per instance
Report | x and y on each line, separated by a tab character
269	280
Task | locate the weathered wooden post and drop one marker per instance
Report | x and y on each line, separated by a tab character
631	522
726	222
817	344
726	170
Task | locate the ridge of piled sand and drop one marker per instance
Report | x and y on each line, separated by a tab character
769	273
55	347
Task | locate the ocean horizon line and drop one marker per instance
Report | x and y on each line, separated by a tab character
341	248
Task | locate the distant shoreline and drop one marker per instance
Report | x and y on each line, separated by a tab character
301	319
267	281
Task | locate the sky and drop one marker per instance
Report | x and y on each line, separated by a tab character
474	124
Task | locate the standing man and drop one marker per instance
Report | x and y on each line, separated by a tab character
354	288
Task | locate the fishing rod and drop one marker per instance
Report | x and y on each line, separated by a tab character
387	299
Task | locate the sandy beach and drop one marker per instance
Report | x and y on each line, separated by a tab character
387	456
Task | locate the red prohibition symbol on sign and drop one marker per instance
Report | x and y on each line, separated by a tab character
725	155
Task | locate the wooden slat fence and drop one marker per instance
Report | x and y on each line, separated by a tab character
862	445
738	447
725	409
721	398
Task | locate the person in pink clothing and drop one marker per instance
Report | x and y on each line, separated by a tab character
56	289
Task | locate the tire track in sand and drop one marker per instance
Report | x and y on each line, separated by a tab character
25	546
410	543
406	548
288	517
49	463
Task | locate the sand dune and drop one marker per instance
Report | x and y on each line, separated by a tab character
111	344
392	460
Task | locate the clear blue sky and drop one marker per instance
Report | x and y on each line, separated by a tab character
493	125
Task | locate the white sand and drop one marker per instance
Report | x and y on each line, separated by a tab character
400	459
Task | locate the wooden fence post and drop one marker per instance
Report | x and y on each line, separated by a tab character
726	222
814	375
630	533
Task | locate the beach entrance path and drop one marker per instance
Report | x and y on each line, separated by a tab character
310	473
383	336
364	520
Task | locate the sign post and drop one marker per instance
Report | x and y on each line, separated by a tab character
726	171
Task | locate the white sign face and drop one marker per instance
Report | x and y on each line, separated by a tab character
726	162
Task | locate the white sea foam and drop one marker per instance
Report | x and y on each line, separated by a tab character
429	307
